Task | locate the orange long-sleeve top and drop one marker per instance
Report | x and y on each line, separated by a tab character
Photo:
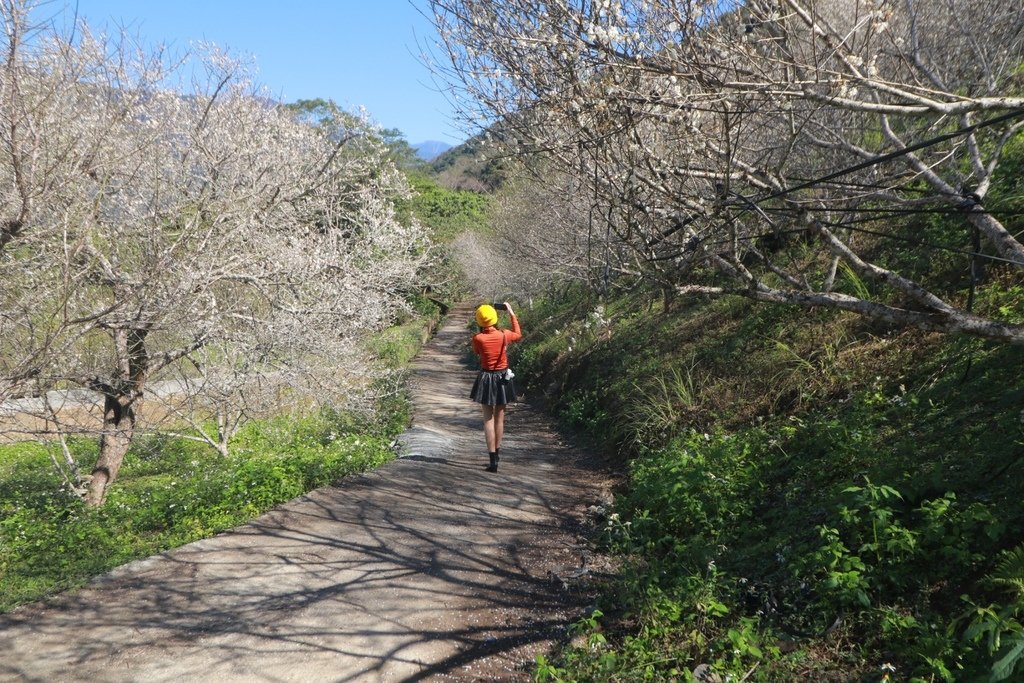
488	345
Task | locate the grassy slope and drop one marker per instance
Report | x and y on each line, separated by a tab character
809	497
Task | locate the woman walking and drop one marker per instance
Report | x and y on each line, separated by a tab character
493	389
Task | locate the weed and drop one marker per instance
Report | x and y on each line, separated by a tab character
854	282
814	375
1009	572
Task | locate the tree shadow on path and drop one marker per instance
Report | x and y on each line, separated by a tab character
426	569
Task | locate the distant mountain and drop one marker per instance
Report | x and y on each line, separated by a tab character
473	165
431	149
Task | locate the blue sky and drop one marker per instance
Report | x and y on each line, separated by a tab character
356	52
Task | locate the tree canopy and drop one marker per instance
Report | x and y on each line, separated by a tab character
762	149
207	237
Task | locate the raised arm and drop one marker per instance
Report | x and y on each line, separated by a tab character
516	332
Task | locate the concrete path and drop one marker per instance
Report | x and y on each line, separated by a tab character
427	569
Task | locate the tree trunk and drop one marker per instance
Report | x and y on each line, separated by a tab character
121	397
667	297
118	430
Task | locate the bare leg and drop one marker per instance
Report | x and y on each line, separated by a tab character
499	426
489	426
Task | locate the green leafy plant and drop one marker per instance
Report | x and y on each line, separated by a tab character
998	626
844	575
1009	572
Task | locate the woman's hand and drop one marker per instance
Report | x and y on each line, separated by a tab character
508	307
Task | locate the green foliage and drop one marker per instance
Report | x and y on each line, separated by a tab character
583	411
808	499
398	345
997	626
446	212
171	491
341	125
711	479
853	282
326	115
887	555
472	166
1009	572
400	151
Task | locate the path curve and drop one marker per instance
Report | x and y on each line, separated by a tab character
429	568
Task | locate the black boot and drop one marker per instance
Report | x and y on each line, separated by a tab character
497	455
493	467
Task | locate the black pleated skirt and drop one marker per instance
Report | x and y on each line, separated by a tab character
491	389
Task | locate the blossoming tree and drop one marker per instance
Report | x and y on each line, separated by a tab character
166	222
765	148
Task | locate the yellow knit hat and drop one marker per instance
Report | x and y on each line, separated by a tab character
486	315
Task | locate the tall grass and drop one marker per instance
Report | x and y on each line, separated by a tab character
662	407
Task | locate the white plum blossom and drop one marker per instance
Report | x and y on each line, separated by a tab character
681	169
207	237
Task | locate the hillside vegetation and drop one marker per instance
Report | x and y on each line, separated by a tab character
808	498
470	166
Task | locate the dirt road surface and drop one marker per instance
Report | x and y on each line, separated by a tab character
427	569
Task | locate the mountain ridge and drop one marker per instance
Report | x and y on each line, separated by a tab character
431	149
